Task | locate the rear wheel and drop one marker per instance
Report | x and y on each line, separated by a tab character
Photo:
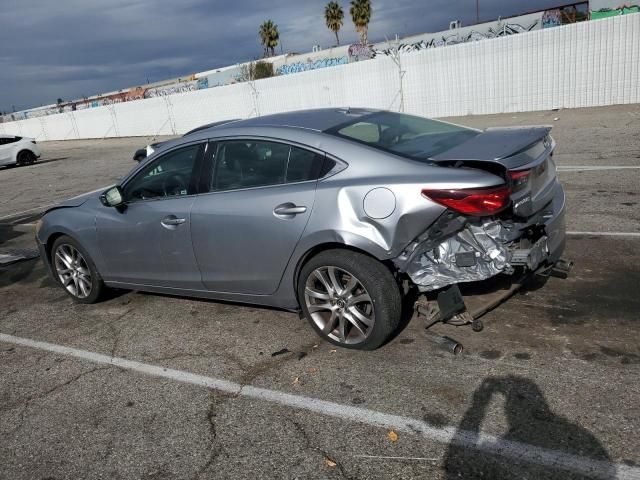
350	299
26	157
75	271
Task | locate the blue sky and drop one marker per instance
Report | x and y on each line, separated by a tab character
72	48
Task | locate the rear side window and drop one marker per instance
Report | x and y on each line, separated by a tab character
248	163
258	163
303	165
407	135
8	140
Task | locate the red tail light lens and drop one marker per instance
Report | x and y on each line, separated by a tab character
519	178
472	201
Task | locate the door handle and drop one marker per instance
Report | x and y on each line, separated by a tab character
289	209
172	221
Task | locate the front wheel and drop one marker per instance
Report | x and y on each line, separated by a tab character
75	271
350	299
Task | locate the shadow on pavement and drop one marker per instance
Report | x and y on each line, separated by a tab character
530	421
39	162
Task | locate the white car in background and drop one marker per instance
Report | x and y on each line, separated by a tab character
16	150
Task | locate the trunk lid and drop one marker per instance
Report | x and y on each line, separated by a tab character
523	156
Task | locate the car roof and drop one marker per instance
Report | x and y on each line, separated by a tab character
319	119
209	125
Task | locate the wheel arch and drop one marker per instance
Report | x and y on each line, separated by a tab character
21	150
321	247
50	240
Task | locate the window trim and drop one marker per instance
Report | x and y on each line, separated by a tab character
209	172
193	181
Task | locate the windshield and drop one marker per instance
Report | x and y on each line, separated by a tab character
407	135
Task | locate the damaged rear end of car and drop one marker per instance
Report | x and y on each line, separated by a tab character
516	228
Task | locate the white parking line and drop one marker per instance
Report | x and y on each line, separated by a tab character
607	234
487	443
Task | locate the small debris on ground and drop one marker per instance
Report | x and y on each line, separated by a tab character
333	350
313	370
301	355
392	436
280	352
330	463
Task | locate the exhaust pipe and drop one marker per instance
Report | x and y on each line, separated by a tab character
446	343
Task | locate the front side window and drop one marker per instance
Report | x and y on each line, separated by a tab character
168	176
258	163
407	135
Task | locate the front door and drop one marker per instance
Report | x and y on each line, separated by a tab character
148	240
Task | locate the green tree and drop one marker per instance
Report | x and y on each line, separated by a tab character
269	37
333	16
361	15
263	70
254	71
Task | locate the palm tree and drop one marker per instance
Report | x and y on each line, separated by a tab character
269	37
361	14
333	16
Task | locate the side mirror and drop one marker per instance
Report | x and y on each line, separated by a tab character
114	197
140	155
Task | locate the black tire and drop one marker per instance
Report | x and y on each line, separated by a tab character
25	157
377	281
97	285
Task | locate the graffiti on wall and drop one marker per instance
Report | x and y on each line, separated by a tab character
132	94
311	65
610	8
453	38
358	52
165	90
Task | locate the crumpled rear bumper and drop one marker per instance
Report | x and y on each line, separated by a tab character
482	248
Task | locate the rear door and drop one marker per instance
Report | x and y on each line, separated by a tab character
148	241
261	194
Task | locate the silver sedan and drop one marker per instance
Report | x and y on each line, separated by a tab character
338	213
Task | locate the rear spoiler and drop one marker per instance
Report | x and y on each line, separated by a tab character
496	144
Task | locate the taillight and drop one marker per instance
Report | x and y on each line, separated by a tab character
472	201
519	178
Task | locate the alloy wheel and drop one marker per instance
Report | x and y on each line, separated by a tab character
339	305
73	271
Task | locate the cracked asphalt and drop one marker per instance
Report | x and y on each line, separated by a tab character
556	367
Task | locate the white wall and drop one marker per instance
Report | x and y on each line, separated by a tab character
581	65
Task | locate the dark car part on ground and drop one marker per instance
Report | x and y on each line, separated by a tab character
459	305
14	255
